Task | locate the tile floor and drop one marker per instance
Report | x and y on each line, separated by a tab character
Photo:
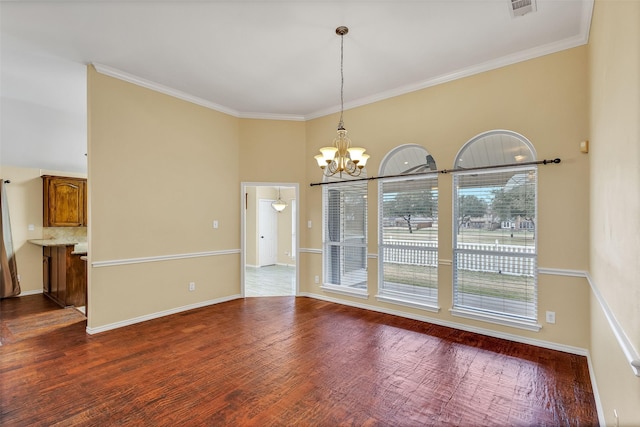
268	281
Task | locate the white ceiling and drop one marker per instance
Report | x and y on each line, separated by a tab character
265	59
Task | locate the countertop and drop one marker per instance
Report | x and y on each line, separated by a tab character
54	242
62	242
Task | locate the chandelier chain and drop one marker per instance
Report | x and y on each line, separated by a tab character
341	125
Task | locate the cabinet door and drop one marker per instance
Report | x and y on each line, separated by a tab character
64	202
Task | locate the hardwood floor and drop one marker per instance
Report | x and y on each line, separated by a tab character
278	361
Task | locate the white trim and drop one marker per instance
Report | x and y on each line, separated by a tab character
26	293
596	395
311	251
139	319
498	320
126	261
562	272
139	81
272	116
407	303
343	290
464	72
536	52
627	347
515	338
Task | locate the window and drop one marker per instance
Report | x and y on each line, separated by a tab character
408	218
494	254
345	238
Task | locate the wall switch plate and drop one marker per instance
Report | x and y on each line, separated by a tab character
215	223
551	317
31	227
192	286
309	224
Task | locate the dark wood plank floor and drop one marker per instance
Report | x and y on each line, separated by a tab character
283	361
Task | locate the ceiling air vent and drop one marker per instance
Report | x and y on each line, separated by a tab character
521	7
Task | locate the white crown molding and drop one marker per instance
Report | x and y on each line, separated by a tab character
122	75
579	40
464	72
272	116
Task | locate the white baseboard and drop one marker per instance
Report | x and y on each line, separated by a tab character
482	331
36	292
122	323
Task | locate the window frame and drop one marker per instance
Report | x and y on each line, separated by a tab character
328	244
414	300
483	314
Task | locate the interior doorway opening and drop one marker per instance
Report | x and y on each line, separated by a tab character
269	240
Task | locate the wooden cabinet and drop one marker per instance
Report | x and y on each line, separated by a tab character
64	201
65	276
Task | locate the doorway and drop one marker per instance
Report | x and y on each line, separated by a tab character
269	240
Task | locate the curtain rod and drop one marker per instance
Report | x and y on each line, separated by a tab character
443	171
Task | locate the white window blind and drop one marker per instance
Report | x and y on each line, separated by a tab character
495	256
408	252
345	235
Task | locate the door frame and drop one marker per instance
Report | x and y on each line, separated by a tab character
243	225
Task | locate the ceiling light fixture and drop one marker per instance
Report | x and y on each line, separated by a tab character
279	204
342	157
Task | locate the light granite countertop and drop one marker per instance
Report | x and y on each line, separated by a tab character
62	242
54	242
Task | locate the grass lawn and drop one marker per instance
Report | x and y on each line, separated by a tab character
467	235
518	288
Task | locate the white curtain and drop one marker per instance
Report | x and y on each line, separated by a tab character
9	285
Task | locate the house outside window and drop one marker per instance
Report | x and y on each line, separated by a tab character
495	229
408	231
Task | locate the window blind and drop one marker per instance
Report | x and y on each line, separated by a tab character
408	252
345	235
495	255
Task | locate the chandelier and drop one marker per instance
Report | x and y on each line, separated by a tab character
279	204
341	157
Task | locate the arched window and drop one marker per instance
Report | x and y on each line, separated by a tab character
408	218
495	221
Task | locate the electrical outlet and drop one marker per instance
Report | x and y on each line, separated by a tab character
551	317
317	279
192	286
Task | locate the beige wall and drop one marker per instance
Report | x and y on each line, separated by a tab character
614	50
544	99
161	170
25	208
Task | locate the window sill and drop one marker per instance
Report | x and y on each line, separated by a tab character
344	290
422	305
499	320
